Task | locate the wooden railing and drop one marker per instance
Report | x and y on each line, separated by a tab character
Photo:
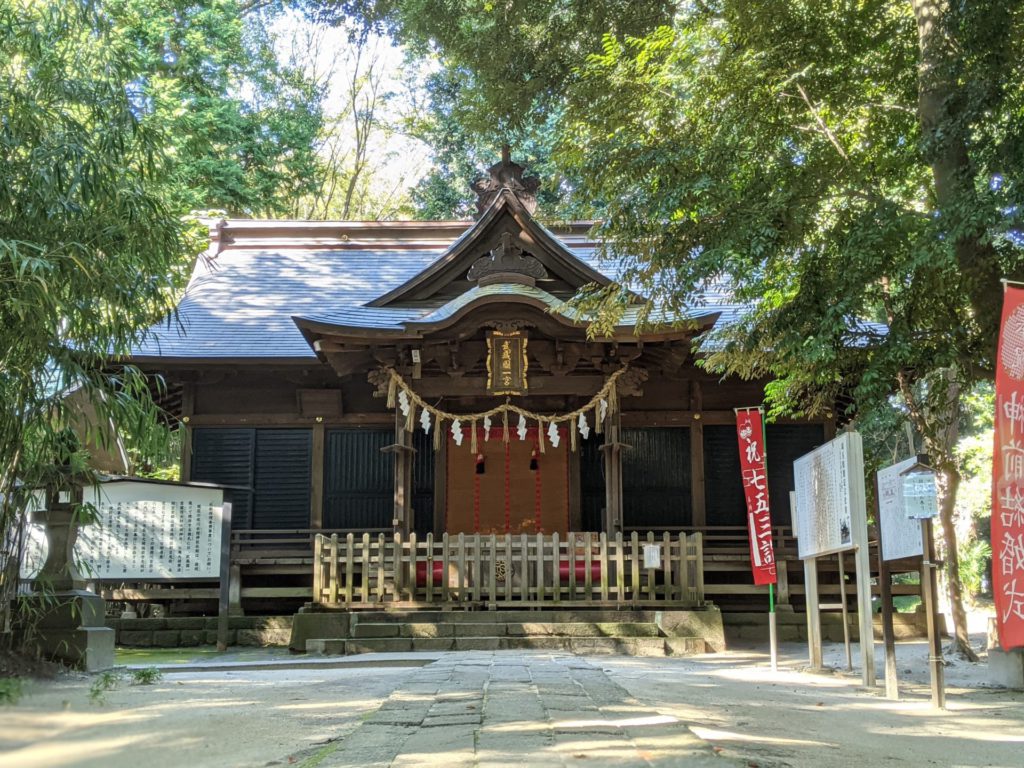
578	570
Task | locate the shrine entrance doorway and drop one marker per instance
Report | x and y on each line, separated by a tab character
507	487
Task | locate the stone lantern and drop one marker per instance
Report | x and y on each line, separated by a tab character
71	626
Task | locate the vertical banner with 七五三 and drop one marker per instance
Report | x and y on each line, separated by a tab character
750	431
1008	475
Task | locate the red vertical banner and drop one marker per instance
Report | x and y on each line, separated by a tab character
750	431
1008	475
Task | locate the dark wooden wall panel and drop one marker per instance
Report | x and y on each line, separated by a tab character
785	443
282	478
225	456
423	483
656	475
723	487
358	478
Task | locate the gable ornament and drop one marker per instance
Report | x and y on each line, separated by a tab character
504	261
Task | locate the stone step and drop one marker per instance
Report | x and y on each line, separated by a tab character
626	646
325	647
599	616
481	629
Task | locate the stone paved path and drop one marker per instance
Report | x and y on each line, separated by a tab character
516	709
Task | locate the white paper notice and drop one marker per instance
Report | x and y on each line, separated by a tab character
145	531
901	537
825	482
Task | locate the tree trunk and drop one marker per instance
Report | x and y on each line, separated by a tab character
944	138
937	417
949	484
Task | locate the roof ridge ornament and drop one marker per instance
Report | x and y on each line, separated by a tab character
507	264
506	175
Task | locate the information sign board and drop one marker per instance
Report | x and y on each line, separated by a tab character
829	485
901	536
144	531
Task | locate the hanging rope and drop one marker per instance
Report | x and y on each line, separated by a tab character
607	393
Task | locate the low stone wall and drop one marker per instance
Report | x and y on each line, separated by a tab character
792	626
189	631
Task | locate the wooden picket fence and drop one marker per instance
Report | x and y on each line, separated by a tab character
579	570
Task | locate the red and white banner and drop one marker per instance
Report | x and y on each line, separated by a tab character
750	431
1008	475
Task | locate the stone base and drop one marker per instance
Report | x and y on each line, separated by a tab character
189	631
705	623
87	648
71	630
1006	668
792	626
315	626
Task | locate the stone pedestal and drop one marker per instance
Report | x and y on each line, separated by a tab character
72	630
1006	668
68	620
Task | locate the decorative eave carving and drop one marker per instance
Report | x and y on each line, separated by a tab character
630	383
506	175
507	263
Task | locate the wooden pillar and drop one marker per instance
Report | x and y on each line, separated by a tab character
699	518
316	496
575	492
235	591
403	451
697	493
612	449
188	399
782	598
440	488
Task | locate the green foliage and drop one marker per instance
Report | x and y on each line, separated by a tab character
11	690
147	676
103	683
461	155
849	172
514	58
240	126
90	253
502	78
975	561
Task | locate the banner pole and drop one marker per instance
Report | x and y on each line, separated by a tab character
773	635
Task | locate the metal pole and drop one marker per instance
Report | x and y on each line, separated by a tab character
929	587
773	635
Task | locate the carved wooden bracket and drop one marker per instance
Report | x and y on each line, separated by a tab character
630	383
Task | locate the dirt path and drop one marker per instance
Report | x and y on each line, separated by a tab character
731	700
194	719
794	718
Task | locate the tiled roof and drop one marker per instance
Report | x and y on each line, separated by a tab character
241	303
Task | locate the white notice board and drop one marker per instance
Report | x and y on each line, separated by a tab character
829	486
144	530
901	536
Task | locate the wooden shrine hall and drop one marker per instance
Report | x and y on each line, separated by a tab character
414	419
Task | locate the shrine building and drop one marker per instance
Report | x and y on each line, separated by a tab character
404	381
